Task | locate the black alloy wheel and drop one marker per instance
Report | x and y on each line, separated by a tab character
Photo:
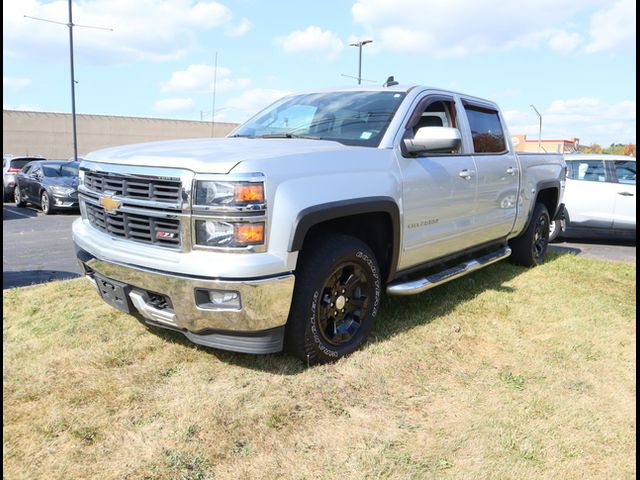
529	248
345	302
335	299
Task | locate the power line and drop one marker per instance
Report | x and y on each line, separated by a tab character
70	25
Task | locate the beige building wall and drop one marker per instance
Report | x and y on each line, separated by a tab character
50	134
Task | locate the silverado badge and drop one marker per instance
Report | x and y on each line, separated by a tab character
110	205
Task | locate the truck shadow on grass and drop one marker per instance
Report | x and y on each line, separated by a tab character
396	315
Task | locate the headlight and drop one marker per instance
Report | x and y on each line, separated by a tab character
229	194
216	233
58	190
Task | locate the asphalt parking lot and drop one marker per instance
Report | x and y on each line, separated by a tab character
38	248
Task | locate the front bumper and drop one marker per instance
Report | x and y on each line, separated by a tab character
170	300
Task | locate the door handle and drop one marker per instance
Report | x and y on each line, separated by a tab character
466	174
626	194
511	171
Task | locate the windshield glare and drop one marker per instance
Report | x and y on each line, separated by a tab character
60	170
351	118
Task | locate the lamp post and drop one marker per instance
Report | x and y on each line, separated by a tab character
539	128
359	45
70	24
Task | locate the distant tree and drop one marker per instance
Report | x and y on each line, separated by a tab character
593	148
629	149
614	149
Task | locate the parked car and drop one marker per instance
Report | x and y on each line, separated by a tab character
51	185
286	233
10	168
600	197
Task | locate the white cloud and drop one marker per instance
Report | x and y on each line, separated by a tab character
313	40
464	27
241	28
592	120
22	107
169	105
250	103
564	42
12	83
154	30
614	28
200	78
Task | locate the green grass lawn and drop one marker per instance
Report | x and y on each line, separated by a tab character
505	374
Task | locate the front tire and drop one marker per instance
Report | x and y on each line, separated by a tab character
555	228
18	197
45	203
335	300
529	248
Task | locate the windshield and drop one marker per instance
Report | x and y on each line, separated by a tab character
351	118
61	170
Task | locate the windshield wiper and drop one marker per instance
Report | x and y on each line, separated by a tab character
287	135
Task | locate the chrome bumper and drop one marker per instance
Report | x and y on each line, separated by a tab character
264	307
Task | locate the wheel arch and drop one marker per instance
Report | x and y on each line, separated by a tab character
374	220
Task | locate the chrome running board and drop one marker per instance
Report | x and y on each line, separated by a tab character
420	285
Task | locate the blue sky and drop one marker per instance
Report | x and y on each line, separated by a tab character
575	60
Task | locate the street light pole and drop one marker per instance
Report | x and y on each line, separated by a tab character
359	45
73	85
539	127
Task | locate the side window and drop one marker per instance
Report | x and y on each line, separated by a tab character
27	168
486	130
625	171
587	170
437	113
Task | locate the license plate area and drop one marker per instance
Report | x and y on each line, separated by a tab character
114	293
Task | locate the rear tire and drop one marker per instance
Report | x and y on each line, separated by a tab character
18	197
335	300
529	248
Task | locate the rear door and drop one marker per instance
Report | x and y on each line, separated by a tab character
624	211
498	172
439	189
589	198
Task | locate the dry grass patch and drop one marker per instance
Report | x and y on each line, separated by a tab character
508	373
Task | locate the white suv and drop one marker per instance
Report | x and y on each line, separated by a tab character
600	196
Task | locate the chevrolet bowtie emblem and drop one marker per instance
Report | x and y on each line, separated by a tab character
110	205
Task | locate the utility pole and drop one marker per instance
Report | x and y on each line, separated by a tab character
359	45
539	127
70	24
213	103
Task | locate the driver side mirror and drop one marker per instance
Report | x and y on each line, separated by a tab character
434	139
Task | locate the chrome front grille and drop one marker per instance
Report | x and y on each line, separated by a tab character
149	205
138	188
163	232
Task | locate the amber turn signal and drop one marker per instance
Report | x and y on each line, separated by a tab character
248	193
248	233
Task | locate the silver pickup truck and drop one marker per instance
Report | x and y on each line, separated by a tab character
285	234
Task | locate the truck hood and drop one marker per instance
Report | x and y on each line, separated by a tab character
209	155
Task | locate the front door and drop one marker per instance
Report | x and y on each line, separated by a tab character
624	211
439	190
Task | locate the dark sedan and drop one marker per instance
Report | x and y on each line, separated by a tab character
51	185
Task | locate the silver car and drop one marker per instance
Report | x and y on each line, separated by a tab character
10	168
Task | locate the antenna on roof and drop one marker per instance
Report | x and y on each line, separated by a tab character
390	82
